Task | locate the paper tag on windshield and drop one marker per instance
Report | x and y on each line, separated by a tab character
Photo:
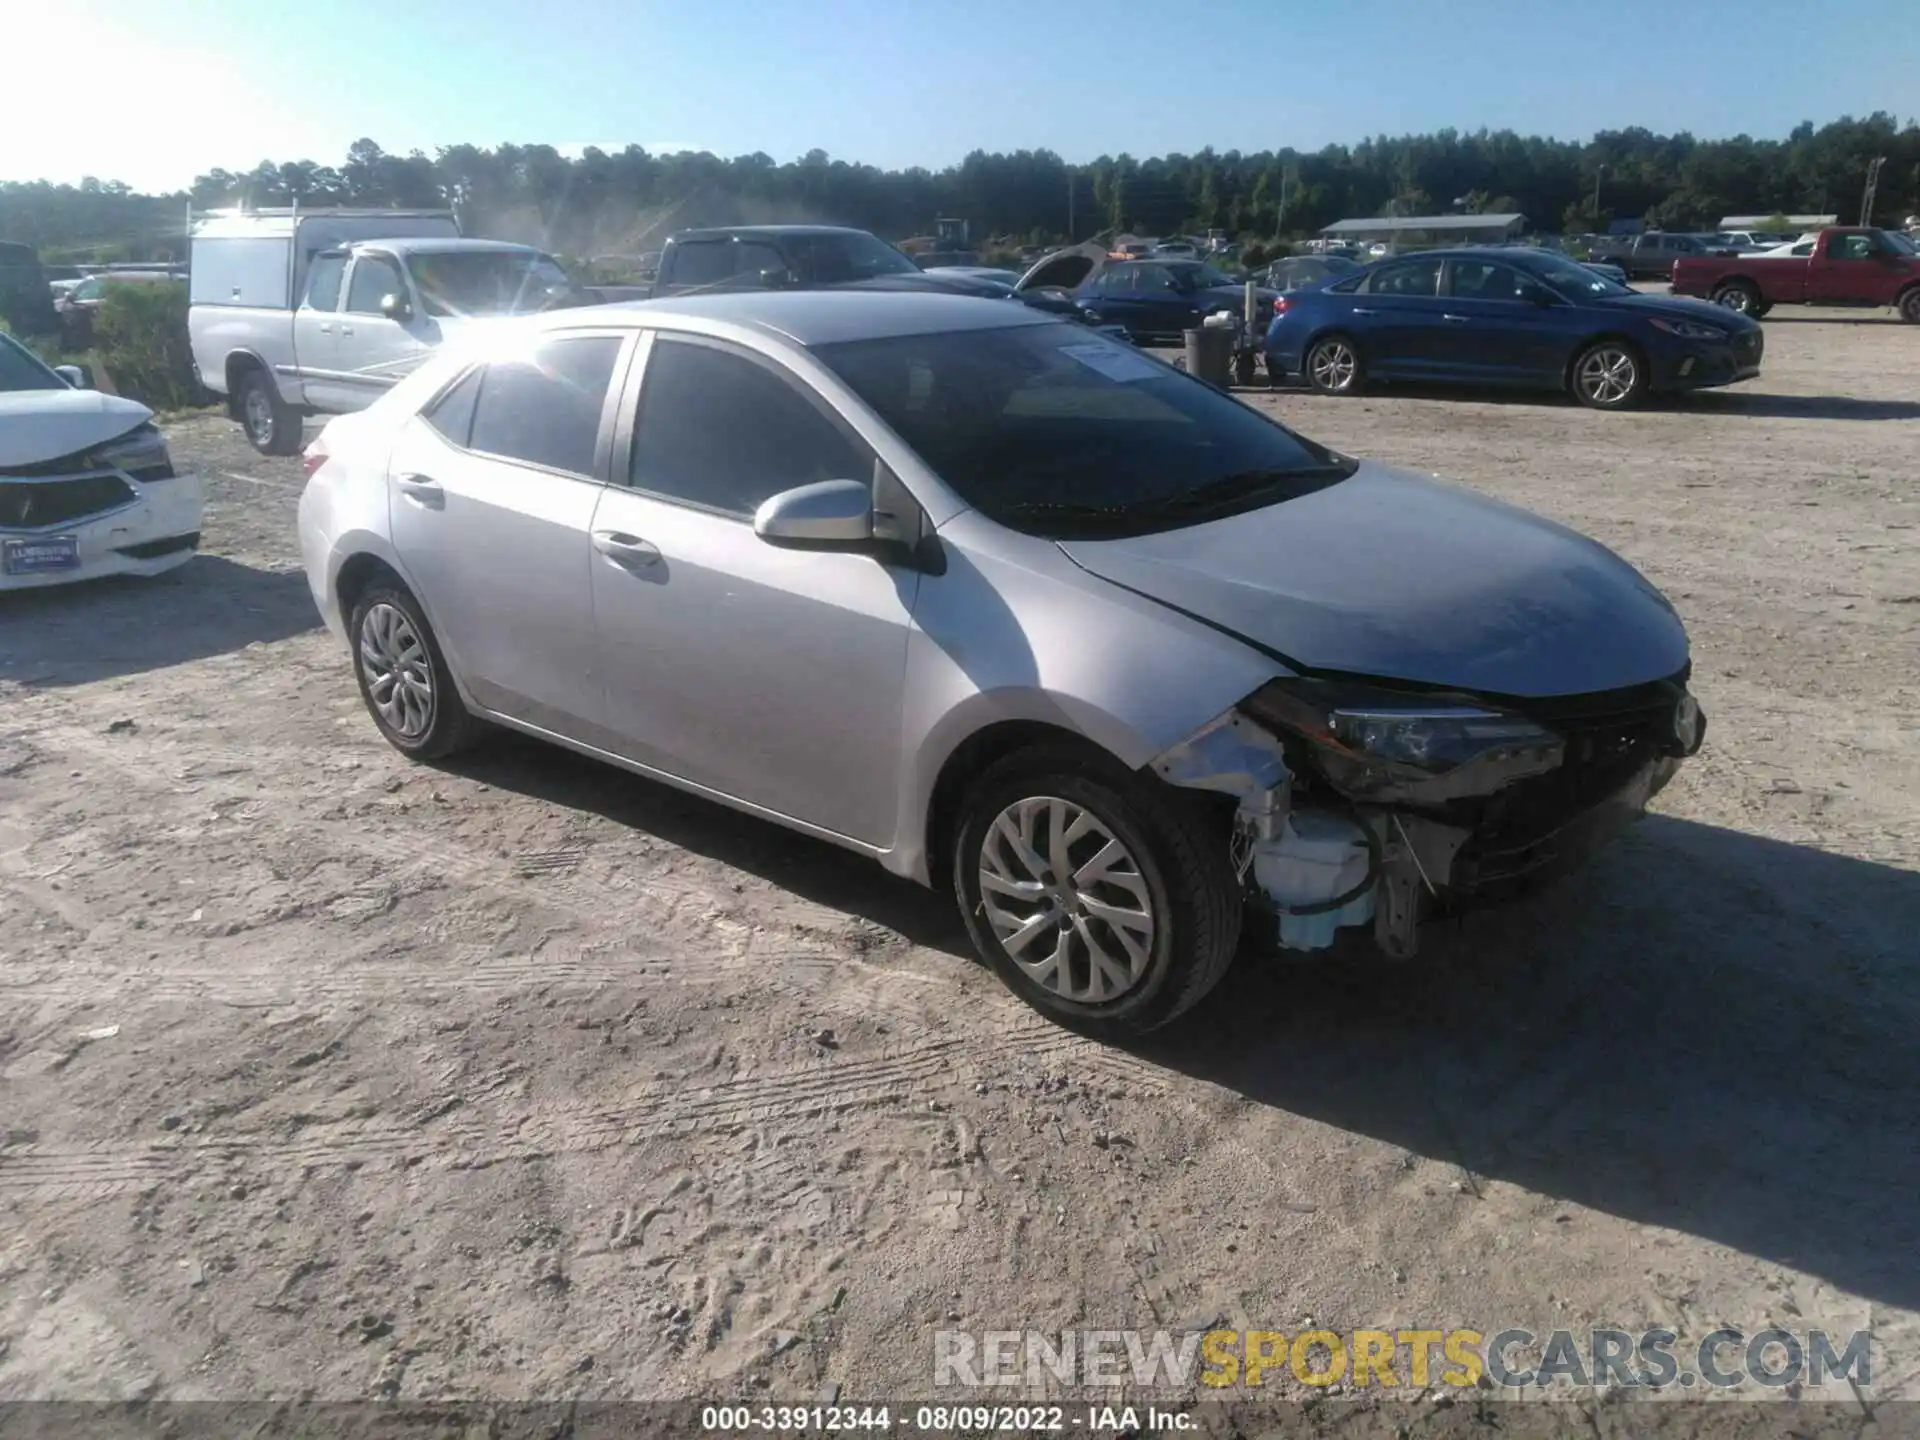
1116	363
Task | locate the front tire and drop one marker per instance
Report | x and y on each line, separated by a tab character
404	678
1910	306
1100	897
1610	375
1333	366
1738	296
273	427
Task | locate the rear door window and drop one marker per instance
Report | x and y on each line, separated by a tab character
323	281
1414	278
545	409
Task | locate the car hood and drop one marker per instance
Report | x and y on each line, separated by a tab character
1682	308
1392	575
41	425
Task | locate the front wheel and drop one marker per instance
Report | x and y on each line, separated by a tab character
1100	897
1333	366
1610	375
404	678
1910	306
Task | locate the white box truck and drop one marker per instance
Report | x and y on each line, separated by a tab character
301	312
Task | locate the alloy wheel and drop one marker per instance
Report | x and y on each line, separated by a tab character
1736	298
1607	375
398	671
1333	365
1066	900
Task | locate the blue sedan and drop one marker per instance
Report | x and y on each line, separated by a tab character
1526	318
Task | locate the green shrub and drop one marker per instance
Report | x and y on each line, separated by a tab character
140	336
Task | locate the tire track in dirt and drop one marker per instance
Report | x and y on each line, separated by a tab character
454	1137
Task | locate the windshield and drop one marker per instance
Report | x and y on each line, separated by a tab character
485	282
20	370
1054	430
1572	279
836	257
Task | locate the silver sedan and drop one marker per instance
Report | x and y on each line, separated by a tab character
1012	608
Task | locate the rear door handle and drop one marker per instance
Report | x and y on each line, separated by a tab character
326	329
1457	319
1358	311
625	549
346	329
423	492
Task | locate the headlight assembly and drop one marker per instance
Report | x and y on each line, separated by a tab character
1372	743
1688	329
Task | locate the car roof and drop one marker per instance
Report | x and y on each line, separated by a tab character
809	317
727	232
435	244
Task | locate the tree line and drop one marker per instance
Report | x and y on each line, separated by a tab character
612	203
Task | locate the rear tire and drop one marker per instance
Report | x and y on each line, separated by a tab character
273	427
1739	296
1910	306
403	677
1102	898
1610	375
1245	368
1333	366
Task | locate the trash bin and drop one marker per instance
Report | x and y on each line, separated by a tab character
1210	354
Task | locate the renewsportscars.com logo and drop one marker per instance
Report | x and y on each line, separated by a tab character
1513	1359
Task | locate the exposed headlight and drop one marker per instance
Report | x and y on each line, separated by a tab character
1688	329
1373	743
139	448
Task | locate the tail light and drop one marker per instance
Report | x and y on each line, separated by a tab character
1280	303
313	457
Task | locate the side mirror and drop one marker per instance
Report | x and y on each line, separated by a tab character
396	307
830	515
78	376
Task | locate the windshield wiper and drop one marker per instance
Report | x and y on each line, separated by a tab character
1240	486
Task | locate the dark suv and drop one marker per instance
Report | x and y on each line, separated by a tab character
800	257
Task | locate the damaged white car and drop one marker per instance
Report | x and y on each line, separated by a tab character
87	488
1007	606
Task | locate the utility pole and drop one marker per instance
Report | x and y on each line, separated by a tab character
1280	226
1873	183
1596	194
1070	229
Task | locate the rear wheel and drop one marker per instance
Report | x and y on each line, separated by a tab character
1910	306
1610	375
1333	366
1245	367
273	427
1739	296
403	676
1102	898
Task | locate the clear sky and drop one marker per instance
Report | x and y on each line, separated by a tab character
154	92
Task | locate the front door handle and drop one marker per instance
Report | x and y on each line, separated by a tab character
326	329
1456	319
1358	311
346	329
423	492
625	549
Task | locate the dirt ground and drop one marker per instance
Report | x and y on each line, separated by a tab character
329	1075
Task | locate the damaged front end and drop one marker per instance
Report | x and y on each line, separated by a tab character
1363	803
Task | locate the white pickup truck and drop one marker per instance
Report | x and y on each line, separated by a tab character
295	313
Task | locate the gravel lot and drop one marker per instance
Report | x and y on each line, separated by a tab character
328	1075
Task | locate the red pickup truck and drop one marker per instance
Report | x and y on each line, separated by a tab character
1849	265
